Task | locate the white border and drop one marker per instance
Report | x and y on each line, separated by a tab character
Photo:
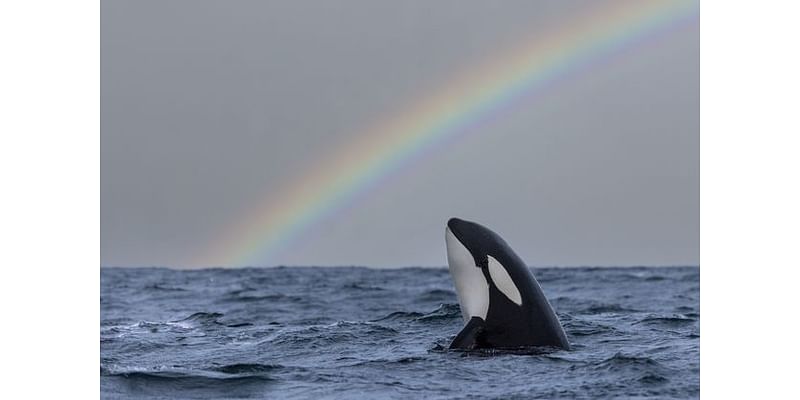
49	166
750	176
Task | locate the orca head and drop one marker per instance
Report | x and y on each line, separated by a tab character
471	256
501	302
475	238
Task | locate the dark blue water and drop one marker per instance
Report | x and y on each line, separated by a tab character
368	333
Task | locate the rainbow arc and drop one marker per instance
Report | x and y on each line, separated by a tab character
443	116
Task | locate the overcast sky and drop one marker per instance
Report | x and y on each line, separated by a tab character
207	105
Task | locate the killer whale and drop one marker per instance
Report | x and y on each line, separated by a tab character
502	303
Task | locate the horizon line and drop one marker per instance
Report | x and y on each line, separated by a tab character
388	268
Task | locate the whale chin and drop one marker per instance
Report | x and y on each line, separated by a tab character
471	286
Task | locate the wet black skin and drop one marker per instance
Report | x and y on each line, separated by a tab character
507	325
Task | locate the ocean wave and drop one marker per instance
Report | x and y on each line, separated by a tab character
653	379
445	311
388	362
217	372
200	318
158	287
272	297
642	370
437	295
361	286
185	384
338	332
581	327
674	320
625	363
645	275
196	321
252	368
604	308
399	316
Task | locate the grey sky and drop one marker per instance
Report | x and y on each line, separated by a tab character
208	105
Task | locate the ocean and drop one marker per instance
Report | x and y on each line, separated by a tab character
352	332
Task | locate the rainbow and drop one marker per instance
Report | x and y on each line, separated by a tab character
433	121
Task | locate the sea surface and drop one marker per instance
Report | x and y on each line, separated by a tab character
321	332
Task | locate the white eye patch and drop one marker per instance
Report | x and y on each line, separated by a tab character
503	281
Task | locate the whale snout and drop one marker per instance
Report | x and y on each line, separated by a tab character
457	225
453	221
470	233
